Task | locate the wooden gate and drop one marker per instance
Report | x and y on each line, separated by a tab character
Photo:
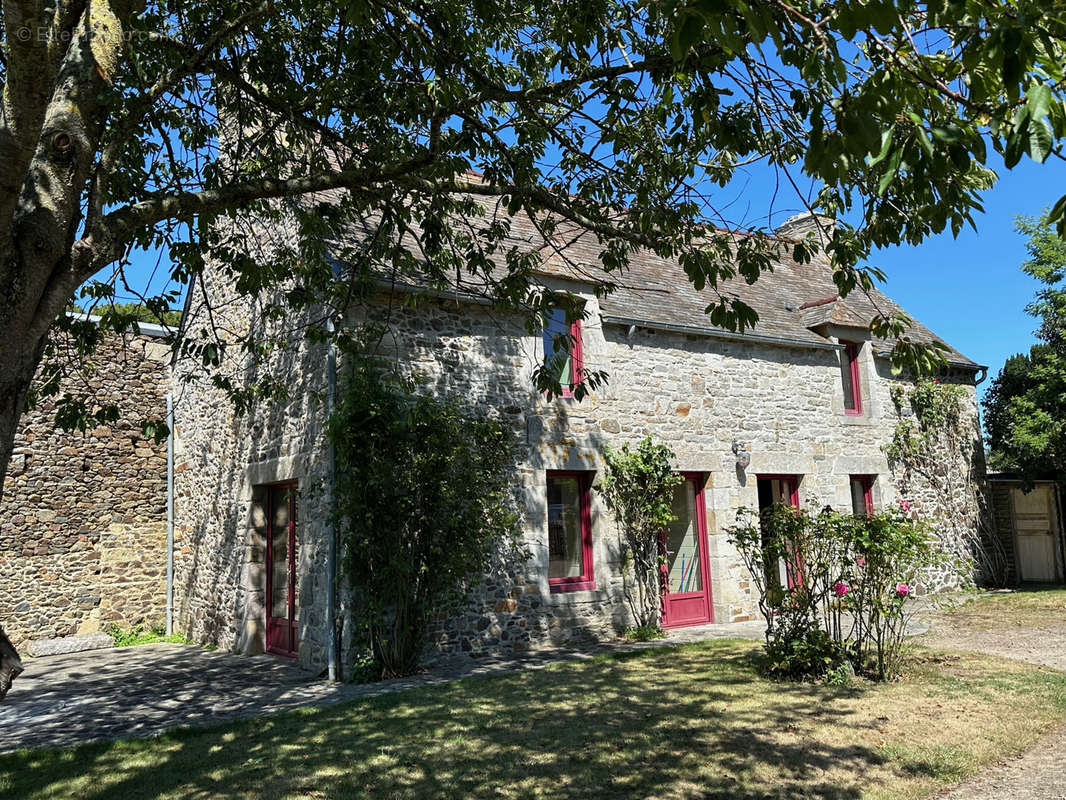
1036	527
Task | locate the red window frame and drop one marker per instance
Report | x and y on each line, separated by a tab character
851	353
867	482
586	580
577	370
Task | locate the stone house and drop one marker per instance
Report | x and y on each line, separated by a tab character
796	409
83	517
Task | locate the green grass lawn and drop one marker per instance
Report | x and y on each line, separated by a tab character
691	722
1029	607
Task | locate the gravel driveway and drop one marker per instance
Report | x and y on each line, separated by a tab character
1040	773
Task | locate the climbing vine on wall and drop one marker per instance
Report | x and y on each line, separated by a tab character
638	488
936	460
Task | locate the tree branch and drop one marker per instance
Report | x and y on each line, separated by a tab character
125	128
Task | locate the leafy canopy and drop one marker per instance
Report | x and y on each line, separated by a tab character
402	141
624	119
1025	406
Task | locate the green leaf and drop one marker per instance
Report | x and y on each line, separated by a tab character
1041	140
1058	215
687	34
1039	99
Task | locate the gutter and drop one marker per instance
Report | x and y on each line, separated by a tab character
718	333
966	365
170	513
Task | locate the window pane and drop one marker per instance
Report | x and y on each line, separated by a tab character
847	377
782	492
682	543
858	497
565	555
556	326
279	562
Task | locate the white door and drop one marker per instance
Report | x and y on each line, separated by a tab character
1035	523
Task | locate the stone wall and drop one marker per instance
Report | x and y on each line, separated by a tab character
224	460
699	394
83	517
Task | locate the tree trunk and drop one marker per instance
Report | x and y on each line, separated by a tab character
10	664
18	365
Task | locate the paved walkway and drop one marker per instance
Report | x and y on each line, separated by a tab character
139	691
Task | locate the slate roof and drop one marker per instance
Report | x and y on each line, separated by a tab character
792	301
658	291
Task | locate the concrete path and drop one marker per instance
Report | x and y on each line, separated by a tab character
140	691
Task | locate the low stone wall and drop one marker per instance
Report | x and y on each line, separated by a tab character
83	518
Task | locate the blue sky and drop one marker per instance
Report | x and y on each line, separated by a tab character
971	290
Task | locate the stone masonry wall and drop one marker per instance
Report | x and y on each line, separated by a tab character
83	517
698	394
224	462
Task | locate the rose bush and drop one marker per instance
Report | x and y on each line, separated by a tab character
834	587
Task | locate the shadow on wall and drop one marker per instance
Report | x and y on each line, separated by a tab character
221	598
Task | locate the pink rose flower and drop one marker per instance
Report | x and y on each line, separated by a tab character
902	589
860	562
840	588
905	505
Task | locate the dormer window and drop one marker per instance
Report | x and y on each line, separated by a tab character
566	365
849	378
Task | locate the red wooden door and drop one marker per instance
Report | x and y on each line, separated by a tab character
686	577
281	617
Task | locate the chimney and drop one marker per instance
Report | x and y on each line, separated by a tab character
798	226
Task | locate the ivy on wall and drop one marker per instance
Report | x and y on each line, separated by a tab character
638	487
935	450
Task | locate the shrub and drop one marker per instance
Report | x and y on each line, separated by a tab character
834	588
422	501
638	488
645	633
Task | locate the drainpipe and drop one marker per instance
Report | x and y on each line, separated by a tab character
170	513
331	553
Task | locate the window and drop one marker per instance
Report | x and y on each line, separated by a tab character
556	357
862	495
849	378
569	532
780	490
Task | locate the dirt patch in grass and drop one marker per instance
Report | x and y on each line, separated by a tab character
686	722
994	610
1026	625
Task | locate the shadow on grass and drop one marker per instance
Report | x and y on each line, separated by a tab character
692	722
